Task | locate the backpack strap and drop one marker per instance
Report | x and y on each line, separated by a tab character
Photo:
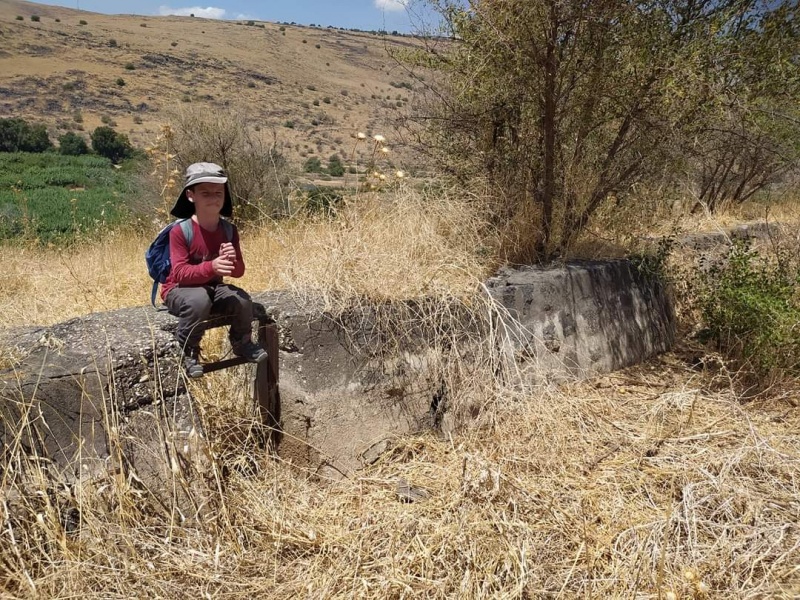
188	231
188	234
228	227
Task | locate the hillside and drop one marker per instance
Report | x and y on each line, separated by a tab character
314	87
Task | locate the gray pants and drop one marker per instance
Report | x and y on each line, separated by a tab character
198	307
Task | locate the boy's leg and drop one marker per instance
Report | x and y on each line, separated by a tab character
235	303
192	306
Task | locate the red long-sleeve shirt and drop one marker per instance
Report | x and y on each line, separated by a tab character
192	265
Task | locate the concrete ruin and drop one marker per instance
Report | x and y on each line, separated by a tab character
102	393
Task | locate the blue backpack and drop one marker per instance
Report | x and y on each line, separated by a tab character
157	255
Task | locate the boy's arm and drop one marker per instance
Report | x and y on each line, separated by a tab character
183	272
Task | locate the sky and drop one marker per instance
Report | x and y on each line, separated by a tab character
356	14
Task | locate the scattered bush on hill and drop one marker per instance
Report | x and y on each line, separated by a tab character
313	165
72	144
110	144
16	135
335	166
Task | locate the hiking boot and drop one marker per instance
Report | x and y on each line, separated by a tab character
191	363
249	350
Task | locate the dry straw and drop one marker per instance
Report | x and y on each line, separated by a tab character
654	482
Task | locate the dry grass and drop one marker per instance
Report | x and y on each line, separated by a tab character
385	246
648	482
645	482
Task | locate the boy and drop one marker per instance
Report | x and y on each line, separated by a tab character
195	289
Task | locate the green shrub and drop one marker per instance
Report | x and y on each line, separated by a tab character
120	81
313	165
112	43
323	201
326	100
173	44
281	28
35	18
20	18
750	308
315	103
251	84
130	66
335	166
110	144
58	20
142	24
289	124
82	22
16	135
71	144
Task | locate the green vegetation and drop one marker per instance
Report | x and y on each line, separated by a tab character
312	165
335	166
35	18
750	307
53	198
323	201
17	135
71	144
82	22
110	144
564	105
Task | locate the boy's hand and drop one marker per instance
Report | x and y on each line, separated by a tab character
228	251
222	265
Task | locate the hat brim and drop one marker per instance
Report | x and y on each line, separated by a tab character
208	179
184	208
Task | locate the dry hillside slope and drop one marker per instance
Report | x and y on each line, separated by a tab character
329	83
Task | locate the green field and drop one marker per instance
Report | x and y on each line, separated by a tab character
50	198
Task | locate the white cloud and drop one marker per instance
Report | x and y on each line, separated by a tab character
391	5
197	11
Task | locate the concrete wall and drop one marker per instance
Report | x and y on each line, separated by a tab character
344	388
584	318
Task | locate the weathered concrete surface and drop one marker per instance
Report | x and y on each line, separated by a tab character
583	318
709	240
342	388
346	384
101	395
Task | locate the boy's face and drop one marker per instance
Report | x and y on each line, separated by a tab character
208	198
